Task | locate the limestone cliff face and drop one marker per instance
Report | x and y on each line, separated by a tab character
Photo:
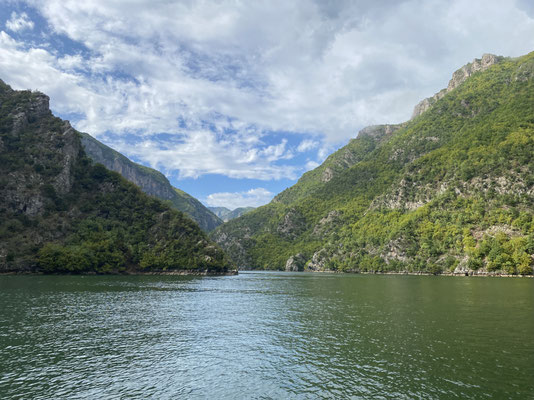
458	77
152	182
21	194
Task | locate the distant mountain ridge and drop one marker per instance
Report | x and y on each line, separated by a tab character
150	181
451	190
226	214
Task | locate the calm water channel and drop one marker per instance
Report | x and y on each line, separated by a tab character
266	335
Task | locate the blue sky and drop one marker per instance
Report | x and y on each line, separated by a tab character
233	100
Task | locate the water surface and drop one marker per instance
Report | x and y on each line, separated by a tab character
266	335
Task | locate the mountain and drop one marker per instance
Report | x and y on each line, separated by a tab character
226	214
219	211
451	190
59	212
150	181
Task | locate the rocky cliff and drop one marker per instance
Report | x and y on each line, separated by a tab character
151	182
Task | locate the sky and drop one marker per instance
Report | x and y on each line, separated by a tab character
234	100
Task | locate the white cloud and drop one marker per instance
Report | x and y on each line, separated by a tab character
19	22
251	198
311	165
307	66
306	145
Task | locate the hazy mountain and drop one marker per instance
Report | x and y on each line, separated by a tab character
226	214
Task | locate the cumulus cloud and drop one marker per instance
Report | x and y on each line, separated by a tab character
306	145
241	70
19	22
251	198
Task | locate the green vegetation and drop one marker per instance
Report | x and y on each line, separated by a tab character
60	213
451	190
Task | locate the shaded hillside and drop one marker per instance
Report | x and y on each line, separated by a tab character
450	190
226	214
59	212
150	181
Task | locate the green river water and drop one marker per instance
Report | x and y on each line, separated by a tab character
266	336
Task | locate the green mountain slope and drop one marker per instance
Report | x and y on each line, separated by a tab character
226	214
449	190
151	182
59	212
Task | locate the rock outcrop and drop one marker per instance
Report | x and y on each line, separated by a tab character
296	263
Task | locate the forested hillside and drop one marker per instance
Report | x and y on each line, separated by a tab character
59	212
451	190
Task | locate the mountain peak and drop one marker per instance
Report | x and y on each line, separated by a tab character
458	77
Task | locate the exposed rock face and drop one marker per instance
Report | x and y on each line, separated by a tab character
127	169
458	77
327	224
478	64
380	131
152	182
292	224
318	261
327	175
425	104
296	263
23	197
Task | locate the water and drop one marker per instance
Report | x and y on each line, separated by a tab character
266	335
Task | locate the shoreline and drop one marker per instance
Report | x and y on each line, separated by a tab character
184	273
448	274
129	273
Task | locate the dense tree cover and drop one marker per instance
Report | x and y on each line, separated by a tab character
60	213
452	189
